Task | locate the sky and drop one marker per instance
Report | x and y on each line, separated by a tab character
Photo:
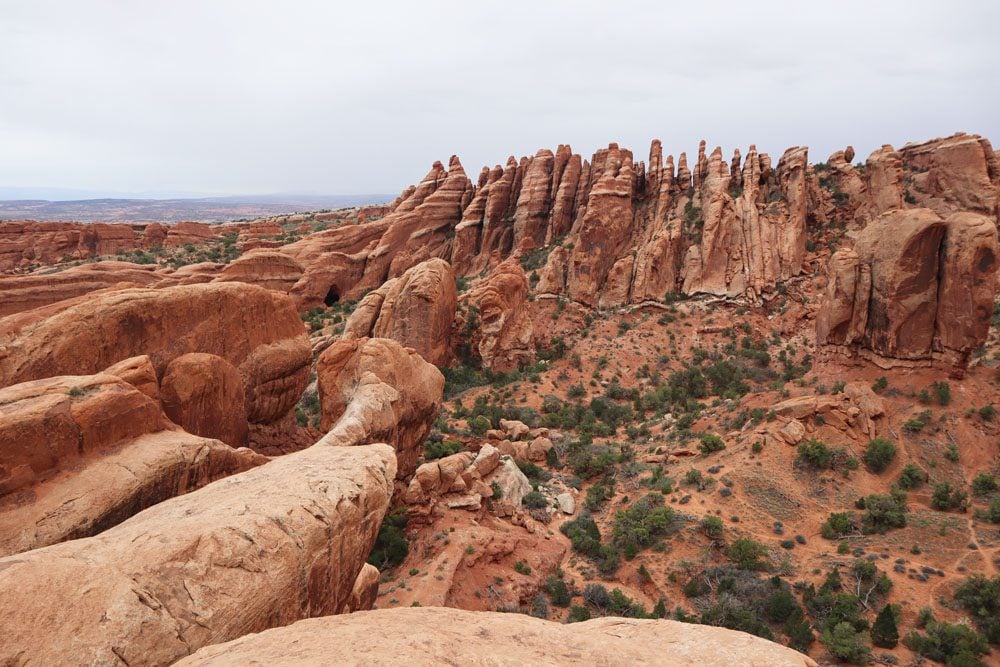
242	97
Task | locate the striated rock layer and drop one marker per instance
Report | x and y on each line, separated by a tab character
452	636
264	548
914	288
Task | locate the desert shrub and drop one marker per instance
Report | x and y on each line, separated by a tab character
712	525
946	497
987	413
522	568
949	643
839	524
984	484
815	454
534	500
912	476
846	643
991	513
981	598
711	443
883	512
747	553
885	634
641	524
585	538
534	472
440	449
558	591
879	454
597	495
480	424
578	613
391	546
942	391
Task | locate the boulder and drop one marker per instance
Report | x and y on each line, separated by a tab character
375	390
453	636
278	543
496	321
415	310
203	394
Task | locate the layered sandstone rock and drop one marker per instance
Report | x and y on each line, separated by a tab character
415	310
268	268
26	242
193	233
495	321
81	453
26	292
278	543
375	390
439	635
255	330
914	288
956	173
203	393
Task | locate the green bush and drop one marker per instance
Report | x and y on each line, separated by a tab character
984	484
883	513
711	443
942	391
815	454
981	598
837	525
641	524
846	643
441	448
391	546
522	568
991	513
479	425
712	525
747	554
578	613
885	634
879	454
585	538
558	591
534	500
946	497
912	476
949	643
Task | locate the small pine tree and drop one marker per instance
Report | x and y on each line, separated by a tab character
885	634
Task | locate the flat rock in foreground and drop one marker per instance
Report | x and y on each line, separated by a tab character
440	636
279	543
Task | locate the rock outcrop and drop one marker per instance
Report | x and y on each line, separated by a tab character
416	310
494	322
79	454
278	543
203	393
914	288
24	243
255	330
265	267
375	390
442	636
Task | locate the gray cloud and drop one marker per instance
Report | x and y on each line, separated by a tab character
231	96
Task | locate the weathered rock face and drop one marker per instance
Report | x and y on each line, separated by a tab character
278	543
374	390
347	262
494	322
190	232
268	268
79	454
440	636
26	292
956	173
915	288
415	310
26	242
257	331
203	393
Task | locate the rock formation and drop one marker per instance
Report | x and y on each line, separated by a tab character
256	331
268	268
915	288
278	543
415	310
374	390
439	636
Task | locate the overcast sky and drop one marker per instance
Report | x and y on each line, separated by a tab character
242	97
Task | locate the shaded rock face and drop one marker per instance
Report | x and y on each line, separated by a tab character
415	310
79	454
203	393
375	390
440	636
278	543
268	268
256	331
916	287
494	322
26	242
